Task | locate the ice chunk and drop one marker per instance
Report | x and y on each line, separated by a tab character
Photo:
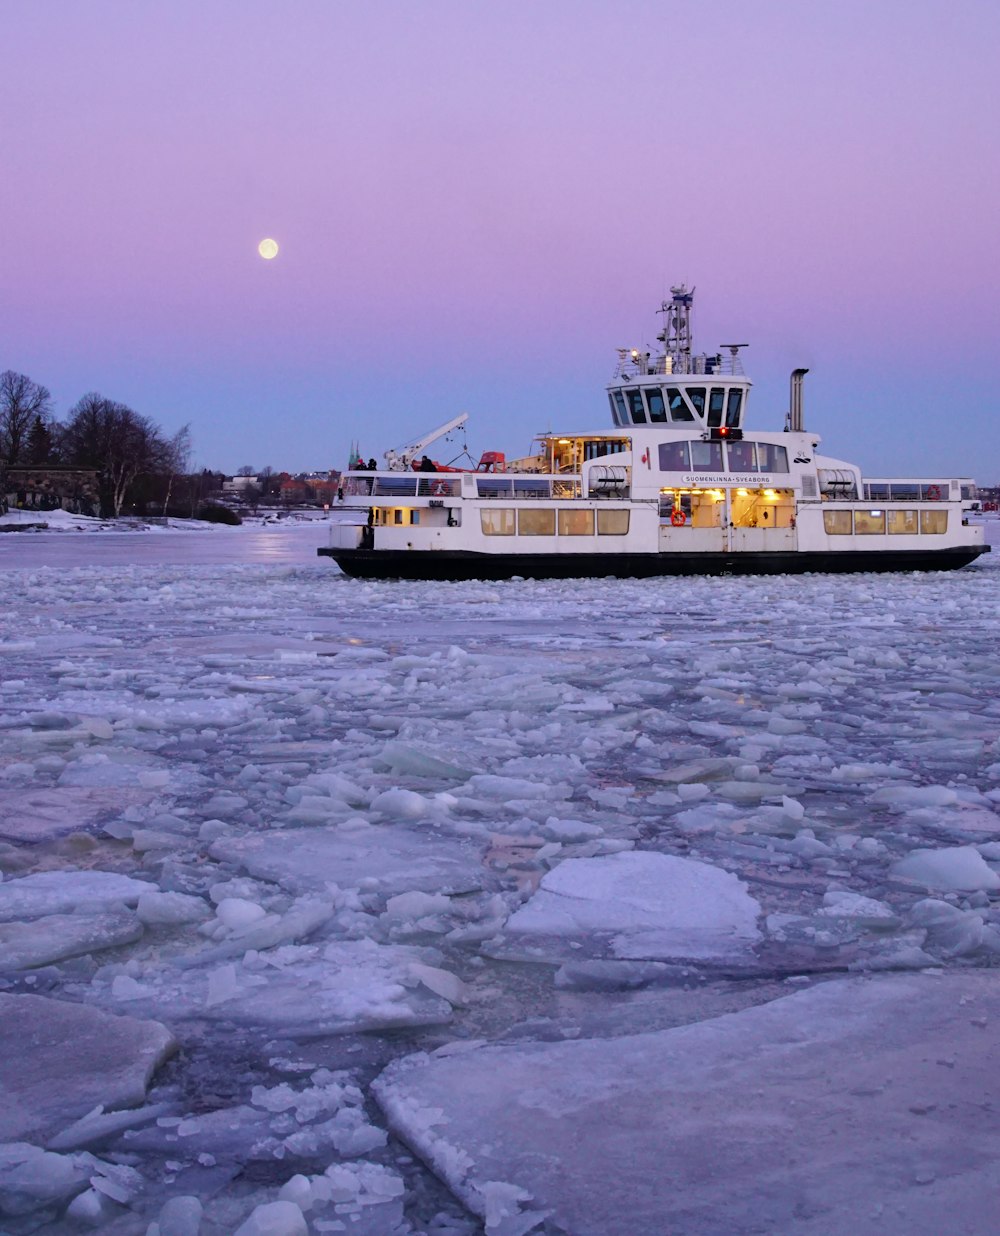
31	1178
56	937
280	1218
654	906
960	867
62	892
46	1086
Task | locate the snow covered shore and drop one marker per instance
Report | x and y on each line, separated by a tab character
616	903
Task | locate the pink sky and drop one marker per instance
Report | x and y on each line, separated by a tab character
476	204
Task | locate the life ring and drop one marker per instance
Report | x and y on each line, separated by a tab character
933	493
677	517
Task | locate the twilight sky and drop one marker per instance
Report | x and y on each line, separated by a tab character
477	203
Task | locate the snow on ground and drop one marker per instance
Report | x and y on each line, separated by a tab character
572	839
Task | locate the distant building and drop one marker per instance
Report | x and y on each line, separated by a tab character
49	488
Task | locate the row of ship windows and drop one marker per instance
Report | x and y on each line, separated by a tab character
505	521
658	405
696	456
903	523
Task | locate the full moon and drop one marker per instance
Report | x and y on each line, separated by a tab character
268	249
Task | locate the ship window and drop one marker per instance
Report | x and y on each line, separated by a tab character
869	523
716	402
741	456
771	458
837	523
674	457
679	411
576	523
612	523
934	521
654	401
638	411
706	456
536	523
498	522
697	396
622	417
733	407
903	522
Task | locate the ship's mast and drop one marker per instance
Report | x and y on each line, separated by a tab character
676	334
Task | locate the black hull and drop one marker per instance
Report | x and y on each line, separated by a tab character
463	565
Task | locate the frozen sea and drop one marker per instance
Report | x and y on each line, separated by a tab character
581	907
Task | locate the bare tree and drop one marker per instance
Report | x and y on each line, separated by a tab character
21	402
115	440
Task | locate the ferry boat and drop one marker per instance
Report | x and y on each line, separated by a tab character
677	485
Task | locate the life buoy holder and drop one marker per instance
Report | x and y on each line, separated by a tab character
677	517
934	493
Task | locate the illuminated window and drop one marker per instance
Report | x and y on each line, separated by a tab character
536	523
612	523
576	523
935	522
902	523
499	522
869	523
837	523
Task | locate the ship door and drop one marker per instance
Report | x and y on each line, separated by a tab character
762	521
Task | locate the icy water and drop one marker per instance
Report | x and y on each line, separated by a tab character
364	820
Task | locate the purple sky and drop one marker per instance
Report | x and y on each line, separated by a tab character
477	203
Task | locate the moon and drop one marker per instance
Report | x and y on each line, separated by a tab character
268	249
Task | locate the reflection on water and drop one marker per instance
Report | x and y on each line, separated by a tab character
294	545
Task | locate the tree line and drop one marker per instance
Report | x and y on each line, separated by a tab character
139	467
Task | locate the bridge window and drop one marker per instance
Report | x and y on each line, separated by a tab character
706	456
498	522
697	396
635	403
741	456
733	406
679	410
903	522
654	401
576	523
612	523
837	523
716	400
934	521
771	458
536	523
674	457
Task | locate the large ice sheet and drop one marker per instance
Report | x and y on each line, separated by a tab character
58	1061
648	906
854	1107
389	859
